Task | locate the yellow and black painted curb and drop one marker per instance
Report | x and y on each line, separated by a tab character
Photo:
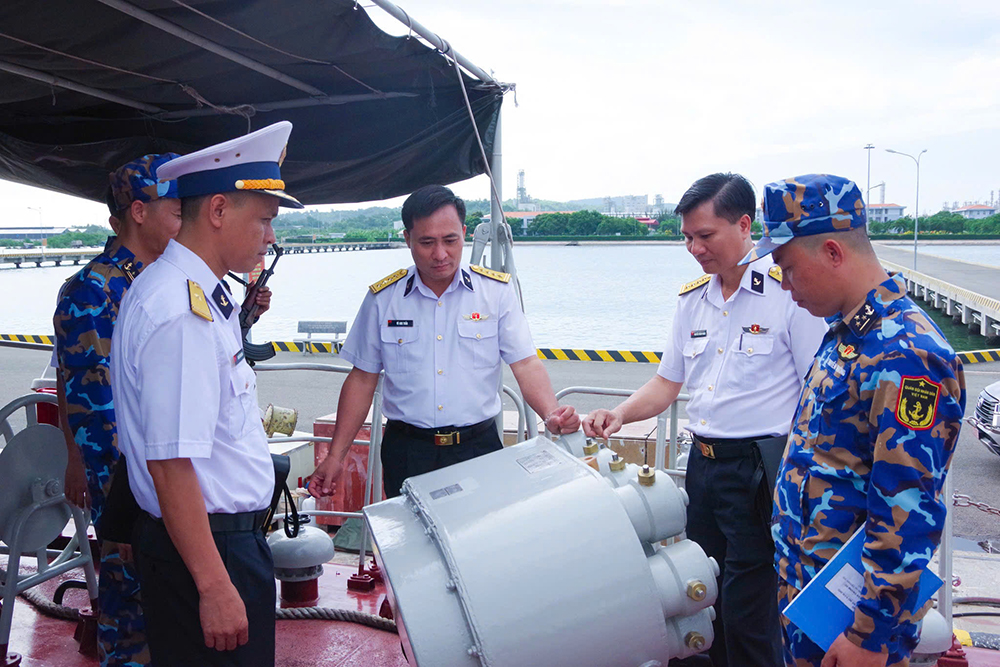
979	356
627	356
286	346
550	353
27	338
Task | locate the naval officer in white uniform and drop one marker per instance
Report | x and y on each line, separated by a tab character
742	347
188	421
439	330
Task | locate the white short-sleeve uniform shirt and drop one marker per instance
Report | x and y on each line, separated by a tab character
441	355
743	360
183	390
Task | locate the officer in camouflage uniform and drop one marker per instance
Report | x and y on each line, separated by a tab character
875	429
149	215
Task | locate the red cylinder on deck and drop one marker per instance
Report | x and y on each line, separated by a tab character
47	413
299	593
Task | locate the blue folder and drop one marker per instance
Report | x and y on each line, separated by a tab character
825	607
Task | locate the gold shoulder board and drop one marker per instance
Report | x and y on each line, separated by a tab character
199	306
388	280
490	273
775	272
695	284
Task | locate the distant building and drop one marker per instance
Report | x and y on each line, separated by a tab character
628	206
884	212
650	223
30	232
976	211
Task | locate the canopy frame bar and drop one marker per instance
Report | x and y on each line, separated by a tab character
208	45
400	15
59	82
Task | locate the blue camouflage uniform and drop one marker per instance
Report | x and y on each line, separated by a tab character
871	442
84	320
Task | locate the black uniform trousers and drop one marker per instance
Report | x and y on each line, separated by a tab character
170	598
722	520
410	450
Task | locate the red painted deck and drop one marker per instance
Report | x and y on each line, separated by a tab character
48	642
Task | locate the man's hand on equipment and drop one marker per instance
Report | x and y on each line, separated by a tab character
563	419
323	482
75	486
223	617
845	653
602	423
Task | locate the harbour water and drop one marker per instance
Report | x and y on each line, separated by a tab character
606	296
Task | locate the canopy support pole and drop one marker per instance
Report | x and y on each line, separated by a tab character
497	238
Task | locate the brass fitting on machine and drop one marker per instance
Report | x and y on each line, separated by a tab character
647	476
617	463
591	446
697	590
694	640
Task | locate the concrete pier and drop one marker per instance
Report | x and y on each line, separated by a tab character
57	256
969	293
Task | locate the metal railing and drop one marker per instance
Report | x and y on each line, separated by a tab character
663	459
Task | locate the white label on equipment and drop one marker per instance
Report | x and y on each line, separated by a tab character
847	585
538	462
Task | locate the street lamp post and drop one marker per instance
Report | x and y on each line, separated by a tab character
868	148
916	213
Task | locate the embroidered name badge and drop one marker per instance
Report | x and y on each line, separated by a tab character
700	333
917	406
400	323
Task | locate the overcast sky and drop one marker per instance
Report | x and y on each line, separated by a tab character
642	97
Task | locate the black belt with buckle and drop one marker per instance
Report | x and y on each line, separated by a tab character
728	448
240	522
442	436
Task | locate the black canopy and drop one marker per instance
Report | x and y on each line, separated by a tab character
375	116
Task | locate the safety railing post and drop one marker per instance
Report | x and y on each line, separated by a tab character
945	562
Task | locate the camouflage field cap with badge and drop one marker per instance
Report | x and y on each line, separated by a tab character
807	205
138	180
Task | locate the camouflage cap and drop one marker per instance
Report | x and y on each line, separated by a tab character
136	181
807	205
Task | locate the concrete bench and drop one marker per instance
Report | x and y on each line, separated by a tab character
322	327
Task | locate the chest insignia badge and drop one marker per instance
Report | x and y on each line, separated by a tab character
917	406
699	333
199	305
847	351
476	317
756	329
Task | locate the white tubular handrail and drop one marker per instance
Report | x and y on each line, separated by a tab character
521	417
663	459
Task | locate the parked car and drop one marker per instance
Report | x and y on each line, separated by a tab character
987	417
